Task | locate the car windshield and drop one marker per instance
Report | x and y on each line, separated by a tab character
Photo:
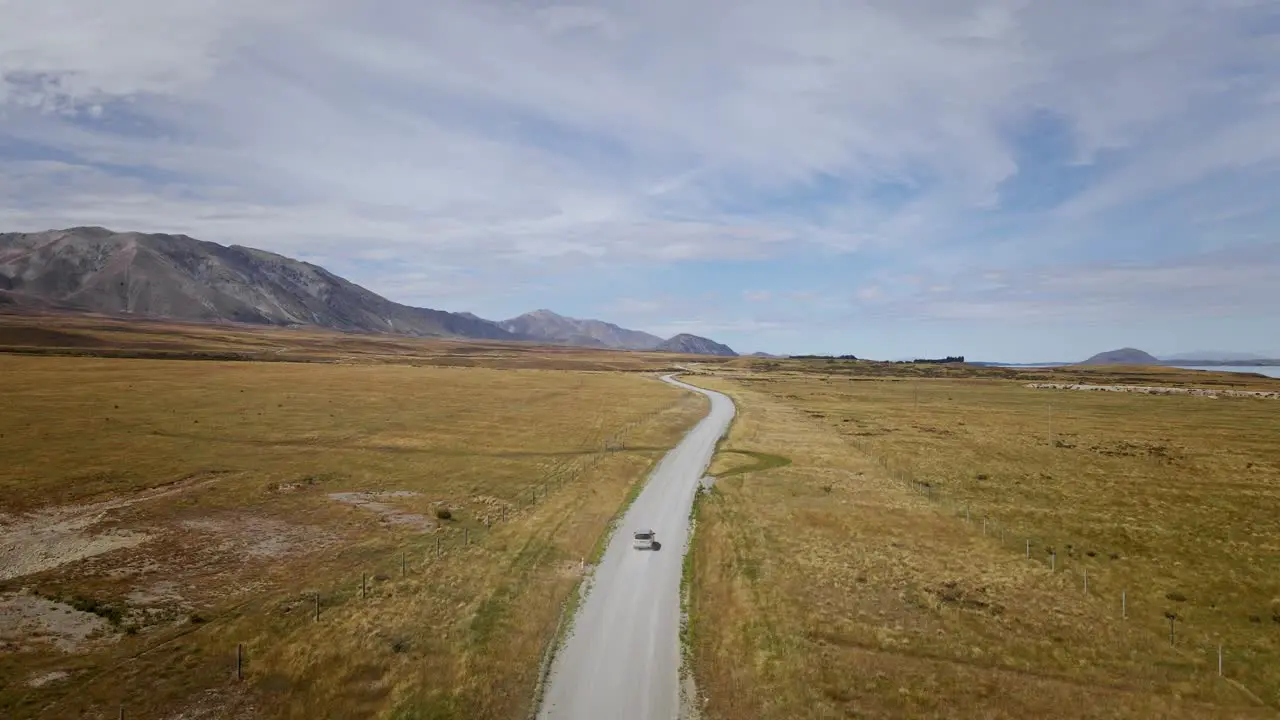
643	534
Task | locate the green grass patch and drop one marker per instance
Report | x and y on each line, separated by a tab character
760	461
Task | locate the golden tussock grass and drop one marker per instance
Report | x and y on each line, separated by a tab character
100	336
849	583
213	485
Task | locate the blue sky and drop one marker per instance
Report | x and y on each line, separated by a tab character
1003	179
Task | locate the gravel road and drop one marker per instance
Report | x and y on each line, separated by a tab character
622	660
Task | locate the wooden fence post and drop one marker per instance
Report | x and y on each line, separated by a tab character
239	661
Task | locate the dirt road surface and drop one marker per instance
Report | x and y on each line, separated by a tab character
622	660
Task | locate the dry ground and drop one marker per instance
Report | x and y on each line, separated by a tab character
98	336
849	583
155	514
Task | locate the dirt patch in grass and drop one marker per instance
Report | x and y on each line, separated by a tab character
27	621
250	536
223	474
50	539
383	504
43	679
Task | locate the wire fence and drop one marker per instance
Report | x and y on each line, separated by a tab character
1205	649
359	579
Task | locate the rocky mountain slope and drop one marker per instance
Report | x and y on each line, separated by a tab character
547	325
179	277
695	345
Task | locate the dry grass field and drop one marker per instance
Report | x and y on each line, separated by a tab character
883	571
100	336
156	514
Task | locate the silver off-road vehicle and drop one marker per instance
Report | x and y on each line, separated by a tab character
644	540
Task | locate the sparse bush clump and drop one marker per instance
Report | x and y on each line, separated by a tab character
443	513
108	612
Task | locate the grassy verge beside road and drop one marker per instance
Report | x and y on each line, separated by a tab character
158	514
850	581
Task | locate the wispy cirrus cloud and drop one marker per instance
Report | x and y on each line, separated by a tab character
1230	283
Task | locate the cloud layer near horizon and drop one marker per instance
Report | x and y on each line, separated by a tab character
837	162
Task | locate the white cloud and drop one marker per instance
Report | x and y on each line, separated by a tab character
502	138
636	307
1229	283
870	293
715	327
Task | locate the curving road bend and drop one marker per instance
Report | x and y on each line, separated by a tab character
622	660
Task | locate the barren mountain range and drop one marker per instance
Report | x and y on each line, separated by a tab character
588	333
694	345
1123	356
1133	356
179	277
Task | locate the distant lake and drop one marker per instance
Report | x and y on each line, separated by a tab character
1268	370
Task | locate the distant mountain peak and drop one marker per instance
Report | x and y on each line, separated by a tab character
1123	356
92	268
181	278
688	344
95	230
549	326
